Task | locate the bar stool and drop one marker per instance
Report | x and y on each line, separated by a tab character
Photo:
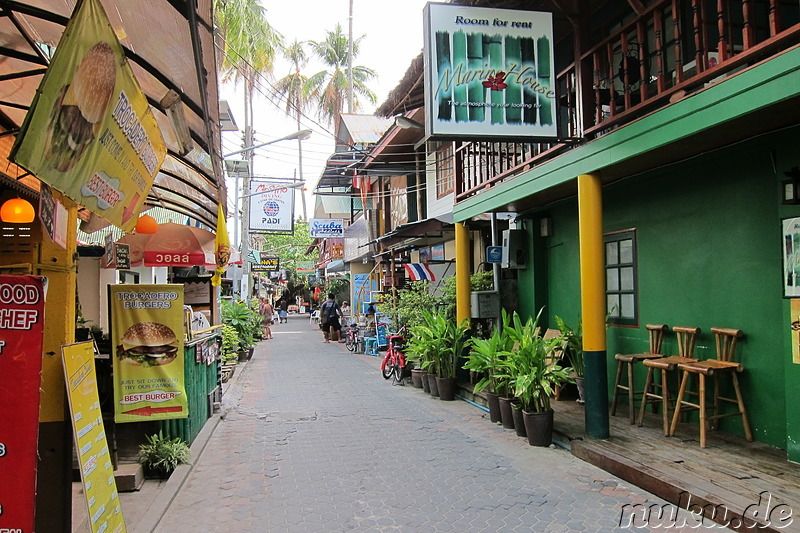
656	334
723	365
686	341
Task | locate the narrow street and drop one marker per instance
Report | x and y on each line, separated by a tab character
313	439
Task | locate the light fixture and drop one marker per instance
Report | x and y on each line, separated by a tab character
791	187
301	135
545	227
17	211
407	123
146	225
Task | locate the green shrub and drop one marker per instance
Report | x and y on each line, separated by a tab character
161	455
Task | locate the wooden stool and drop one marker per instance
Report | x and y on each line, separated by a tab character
722	365
686	341
656	333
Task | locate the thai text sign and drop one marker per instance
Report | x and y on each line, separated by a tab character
271	207
147	339
91	445
90	132
489	72
321	228
21	332
266	263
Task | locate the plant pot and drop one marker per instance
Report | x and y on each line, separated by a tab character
539	427
227	372
506	417
82	334
433	385
579	385
243	355
447	388
493	400
250	351
416	377
519	420
155	473
426	385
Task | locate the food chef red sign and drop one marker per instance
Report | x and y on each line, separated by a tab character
21	332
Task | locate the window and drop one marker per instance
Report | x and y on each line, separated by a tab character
622	306
444	170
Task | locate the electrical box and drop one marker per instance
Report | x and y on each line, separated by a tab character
485	304
515	251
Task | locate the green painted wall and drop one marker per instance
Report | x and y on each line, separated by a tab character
709	254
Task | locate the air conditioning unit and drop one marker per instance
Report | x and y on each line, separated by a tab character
515	251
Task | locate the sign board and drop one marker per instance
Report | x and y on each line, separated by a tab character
21	333
494	254
321	228
489	73
89	132
122	253
147	339
266	263
47	210
485	304
271	207
91	444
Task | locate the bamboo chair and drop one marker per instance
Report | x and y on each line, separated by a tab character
723	365
656	334
686	341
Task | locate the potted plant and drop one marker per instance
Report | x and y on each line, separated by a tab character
424	344
229	355
161	455
82	331
534	377
485	360
242	319
572	339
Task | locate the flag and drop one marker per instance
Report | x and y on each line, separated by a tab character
222	247
419	272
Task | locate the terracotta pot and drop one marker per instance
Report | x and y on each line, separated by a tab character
506	417
416	377
493	400
426	385
519	420
447	388
539	427
433	385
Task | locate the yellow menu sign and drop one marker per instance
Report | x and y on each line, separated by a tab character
90	132
97	472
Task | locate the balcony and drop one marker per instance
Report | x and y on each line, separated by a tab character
636	58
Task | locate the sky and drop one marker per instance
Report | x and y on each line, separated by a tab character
393	37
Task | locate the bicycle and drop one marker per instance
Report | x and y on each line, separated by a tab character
394	362
351	337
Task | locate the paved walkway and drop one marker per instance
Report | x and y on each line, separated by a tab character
314	440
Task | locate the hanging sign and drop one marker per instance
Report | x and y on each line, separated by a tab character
271	207
122	254
489	72
21	333
147	339
321	228
266	263
91	444
89	132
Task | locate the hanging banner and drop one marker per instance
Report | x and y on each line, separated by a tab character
89	132
21	333
489	73
271	207
91	444
147	336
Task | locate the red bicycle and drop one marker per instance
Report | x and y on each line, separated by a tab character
394	362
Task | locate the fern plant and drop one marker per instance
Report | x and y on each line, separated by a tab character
161	455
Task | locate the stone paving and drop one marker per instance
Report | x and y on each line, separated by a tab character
314	440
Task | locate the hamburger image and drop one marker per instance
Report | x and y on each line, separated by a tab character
148	344
78	112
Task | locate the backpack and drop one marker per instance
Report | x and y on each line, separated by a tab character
328	311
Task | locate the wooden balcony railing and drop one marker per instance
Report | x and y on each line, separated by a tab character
671	47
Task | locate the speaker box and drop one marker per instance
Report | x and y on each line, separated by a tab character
515	252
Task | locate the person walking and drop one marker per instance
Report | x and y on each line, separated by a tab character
266	310
283	310
329	314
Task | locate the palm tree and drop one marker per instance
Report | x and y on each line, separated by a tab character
329	87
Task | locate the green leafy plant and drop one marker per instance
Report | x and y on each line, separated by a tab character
443	340
230	344
486	359
479	281
161	455
404	308
574	345
530	366
244	320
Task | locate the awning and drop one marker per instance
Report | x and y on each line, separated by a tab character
431	228
337	265
172	244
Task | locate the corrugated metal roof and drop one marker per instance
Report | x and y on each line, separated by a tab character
338	205
365	128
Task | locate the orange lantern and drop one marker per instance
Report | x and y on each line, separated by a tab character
146	224
17	211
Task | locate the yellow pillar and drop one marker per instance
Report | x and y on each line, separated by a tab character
463	288
593	305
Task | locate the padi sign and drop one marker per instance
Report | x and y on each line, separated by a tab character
326	227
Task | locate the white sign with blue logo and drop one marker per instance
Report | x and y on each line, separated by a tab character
494	254
321	228
271	207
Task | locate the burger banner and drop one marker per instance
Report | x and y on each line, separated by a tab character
89	132
147	337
